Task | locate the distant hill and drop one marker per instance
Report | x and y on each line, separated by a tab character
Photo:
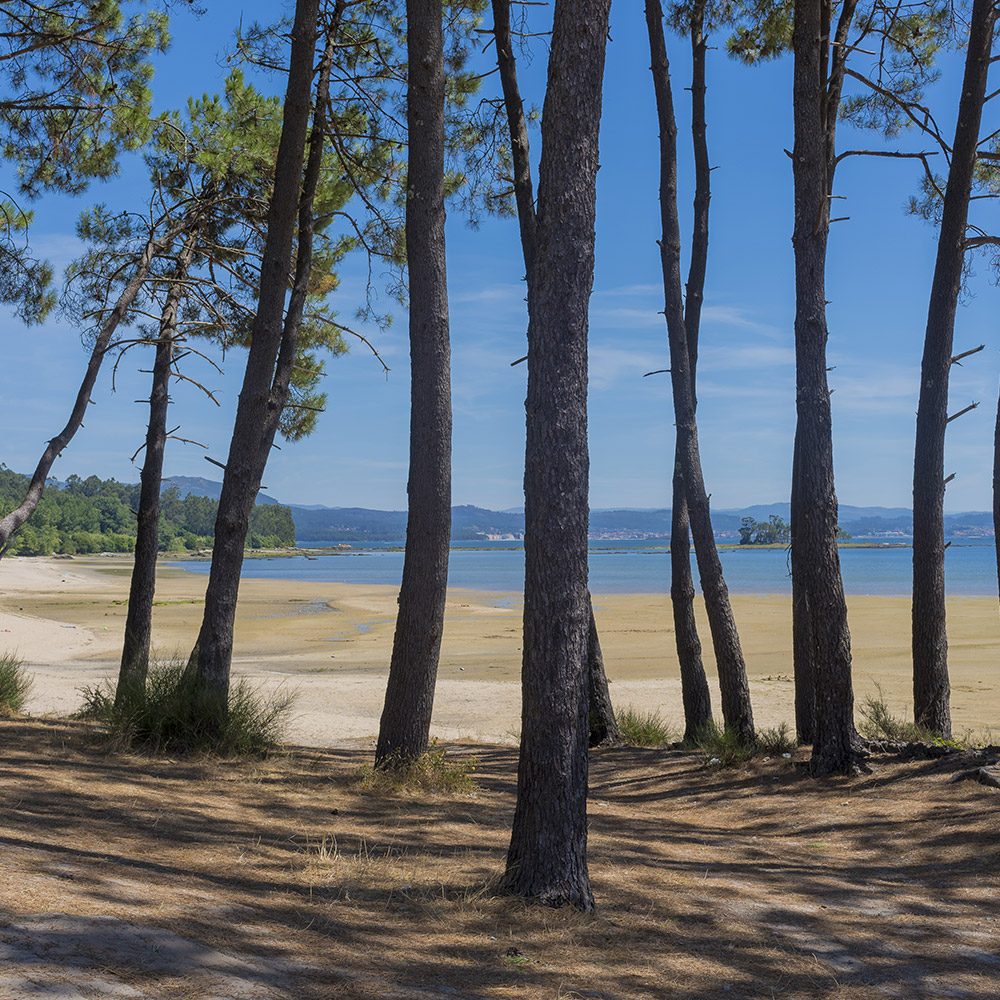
317	524
202	487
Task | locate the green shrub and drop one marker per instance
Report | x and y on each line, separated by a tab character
644	729
878	723
173	715
774	742
430	772
726	747
15	685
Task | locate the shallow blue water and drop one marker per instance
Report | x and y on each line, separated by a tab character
633	568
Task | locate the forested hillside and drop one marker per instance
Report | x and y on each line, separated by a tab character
96	515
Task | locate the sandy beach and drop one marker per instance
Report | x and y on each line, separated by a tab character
331	644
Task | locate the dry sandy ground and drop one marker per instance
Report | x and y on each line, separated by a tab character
331	643
155	879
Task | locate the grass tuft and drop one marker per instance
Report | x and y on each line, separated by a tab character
878	723
644	729
725	747
15	685
430	772
172	715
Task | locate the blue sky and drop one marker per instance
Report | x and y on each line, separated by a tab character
879	271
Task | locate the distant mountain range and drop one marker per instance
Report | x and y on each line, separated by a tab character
318	524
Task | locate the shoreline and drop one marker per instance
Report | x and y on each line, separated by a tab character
332	642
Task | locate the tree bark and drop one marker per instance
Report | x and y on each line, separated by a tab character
406	716
814	548
802	639
604	729
931	688
547	859
265	381
736	708
695	694
12	522
139	619
603	725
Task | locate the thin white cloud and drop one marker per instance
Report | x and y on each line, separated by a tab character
610	365
507	293
717	357
736	316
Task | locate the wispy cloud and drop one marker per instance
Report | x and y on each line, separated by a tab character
506	293
737	316
717	357
609	365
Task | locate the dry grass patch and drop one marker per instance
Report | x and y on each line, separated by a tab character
280	878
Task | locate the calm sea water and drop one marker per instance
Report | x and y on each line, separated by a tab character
633	568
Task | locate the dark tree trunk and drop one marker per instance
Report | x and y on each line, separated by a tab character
603	725
547	859
12	522
815	556
802	640
695	694
139	619
265	382
736	708
406	717
931	689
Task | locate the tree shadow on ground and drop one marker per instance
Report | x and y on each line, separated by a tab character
283	878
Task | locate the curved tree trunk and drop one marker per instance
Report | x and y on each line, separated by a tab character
547	859
269	364
11	523
139	619
409	699
736	708
931	688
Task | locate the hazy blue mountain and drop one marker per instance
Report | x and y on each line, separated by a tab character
316	523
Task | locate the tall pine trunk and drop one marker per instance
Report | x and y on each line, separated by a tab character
736	707
815	559
547	858
695	694
409	699
139	619
603	724
269	365
931	688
